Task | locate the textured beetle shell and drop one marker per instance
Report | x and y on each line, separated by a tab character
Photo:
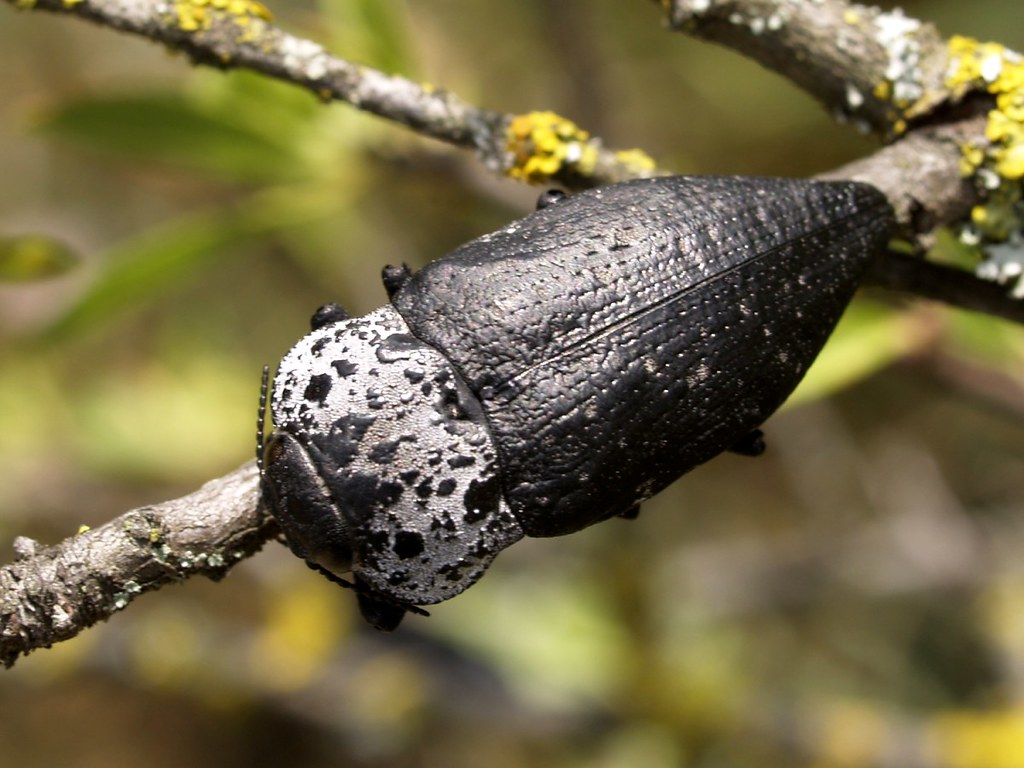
400	474
620	337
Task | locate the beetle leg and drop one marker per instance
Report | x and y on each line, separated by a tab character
395	277
380	612
631	514
326	315
751	444
550	197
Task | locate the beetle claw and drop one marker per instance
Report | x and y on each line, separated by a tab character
631	514
751	444
380	614
395	277
550	197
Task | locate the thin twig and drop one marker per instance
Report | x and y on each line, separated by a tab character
246	39
51	594
877	68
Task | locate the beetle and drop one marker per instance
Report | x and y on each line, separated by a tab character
554	374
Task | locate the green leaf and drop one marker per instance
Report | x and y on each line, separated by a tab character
33	257
277	111
149	264
372	32
985	340
170	130
384	24
949	249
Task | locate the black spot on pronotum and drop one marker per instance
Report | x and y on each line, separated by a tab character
344	368
481	498
384	452
318	388
364	494
397	346
407	544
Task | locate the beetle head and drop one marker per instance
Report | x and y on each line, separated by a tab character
381	463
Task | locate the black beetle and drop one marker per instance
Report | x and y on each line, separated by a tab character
554	374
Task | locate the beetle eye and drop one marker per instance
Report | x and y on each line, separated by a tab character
274	450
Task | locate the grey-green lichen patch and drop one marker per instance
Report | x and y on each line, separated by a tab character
760	23
1004	264
163	553
897	34
902	82
128	593
995	161
216	560
60	618
304	57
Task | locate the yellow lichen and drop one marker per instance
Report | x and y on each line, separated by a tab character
636	160
997	162
194	15
542	144
71	3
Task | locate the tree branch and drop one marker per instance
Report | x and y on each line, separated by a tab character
540	147
881	69
888	73
49	594
875	67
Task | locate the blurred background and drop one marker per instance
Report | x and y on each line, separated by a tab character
853	598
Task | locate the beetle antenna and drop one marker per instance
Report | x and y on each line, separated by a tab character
261	418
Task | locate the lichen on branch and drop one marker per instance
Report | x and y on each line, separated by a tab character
241	34
875	68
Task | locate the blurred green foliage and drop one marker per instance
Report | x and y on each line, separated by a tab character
33	257
850	599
